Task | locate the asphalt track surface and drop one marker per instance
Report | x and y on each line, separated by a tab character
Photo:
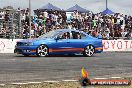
17	68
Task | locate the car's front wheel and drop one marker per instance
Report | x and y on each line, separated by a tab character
89	51
42	51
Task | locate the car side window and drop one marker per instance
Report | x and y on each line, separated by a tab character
65	35
83	36
77	35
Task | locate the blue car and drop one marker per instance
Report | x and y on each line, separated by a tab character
60	41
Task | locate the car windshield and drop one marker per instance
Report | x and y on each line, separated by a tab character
50	34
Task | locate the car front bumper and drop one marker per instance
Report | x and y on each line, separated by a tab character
25	49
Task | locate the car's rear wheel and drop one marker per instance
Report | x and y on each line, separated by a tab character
89	51
42	51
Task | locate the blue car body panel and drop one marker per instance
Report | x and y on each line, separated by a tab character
64	45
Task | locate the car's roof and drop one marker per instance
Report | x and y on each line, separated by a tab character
66	30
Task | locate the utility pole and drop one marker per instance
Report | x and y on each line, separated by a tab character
20	25
11	24
106	4
29	18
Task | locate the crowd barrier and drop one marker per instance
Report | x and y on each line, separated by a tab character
8	45
117	45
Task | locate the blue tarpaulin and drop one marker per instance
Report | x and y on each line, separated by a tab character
77	8
49	6
107	11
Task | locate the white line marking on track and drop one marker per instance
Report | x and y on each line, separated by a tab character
2	84
51	81
116	77
34	82
19	83
70	80
100	78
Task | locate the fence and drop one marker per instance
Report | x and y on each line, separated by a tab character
10	23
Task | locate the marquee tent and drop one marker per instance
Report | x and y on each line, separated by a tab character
77	8
49	6
107	11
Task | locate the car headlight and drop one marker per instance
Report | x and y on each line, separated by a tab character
28	44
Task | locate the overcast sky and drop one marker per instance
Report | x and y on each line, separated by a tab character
122	6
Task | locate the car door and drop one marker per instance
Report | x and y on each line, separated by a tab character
77	41
62	43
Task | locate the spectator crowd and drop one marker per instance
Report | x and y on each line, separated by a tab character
113	26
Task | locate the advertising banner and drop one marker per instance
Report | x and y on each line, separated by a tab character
7	45
117	45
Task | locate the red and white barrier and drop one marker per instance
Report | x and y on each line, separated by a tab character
7	46
117	45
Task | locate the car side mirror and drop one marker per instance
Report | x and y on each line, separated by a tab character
57	38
